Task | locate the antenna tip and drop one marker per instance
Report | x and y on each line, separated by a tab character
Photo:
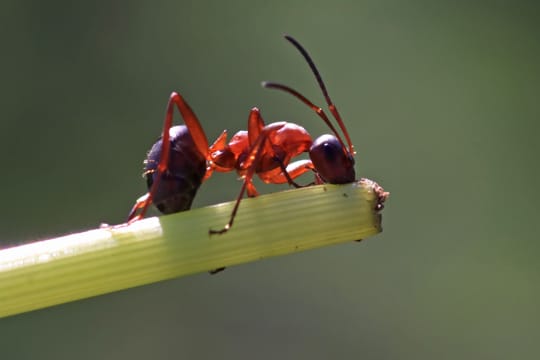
264	84
289	38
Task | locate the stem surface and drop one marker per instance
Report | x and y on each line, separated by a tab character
108	259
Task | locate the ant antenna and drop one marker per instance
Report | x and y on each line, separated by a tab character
333	109
317	109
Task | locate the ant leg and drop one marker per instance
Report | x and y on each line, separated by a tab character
255	129
218	146
141	203
255	125
235	210
218	270
292	171
198	135
253	160
251	190
190	119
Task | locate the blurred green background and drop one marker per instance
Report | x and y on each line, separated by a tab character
441	99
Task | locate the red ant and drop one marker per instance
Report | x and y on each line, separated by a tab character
181	160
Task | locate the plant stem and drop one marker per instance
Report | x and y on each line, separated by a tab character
113	258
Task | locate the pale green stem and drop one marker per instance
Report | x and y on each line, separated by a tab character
108	259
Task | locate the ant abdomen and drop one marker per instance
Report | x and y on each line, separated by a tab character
183	177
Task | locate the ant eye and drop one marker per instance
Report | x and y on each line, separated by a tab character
330	147
332	162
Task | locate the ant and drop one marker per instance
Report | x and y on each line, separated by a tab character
181	159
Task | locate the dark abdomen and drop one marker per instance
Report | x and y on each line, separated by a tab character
184	175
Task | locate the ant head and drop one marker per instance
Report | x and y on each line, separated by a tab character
333	164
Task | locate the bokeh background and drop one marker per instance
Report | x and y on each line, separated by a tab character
440	97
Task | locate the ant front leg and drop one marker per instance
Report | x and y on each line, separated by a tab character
255	125
251	163
292	171
142	203
235	210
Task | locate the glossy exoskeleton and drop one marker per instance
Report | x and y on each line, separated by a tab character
176	164
186	170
